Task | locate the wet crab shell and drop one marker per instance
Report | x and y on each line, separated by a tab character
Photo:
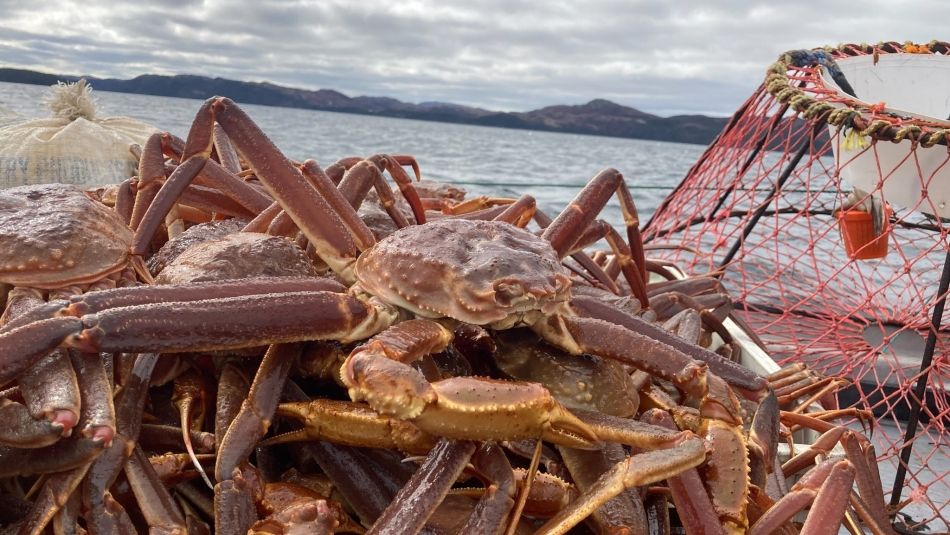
54	235
480	272
199	233
237	256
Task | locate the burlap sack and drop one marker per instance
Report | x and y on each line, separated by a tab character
73	146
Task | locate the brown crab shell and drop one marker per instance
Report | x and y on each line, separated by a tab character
480	272
237	256
55	235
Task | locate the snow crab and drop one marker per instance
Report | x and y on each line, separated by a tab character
405	294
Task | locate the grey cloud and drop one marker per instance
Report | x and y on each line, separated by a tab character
685	57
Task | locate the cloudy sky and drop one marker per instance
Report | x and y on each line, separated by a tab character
664	57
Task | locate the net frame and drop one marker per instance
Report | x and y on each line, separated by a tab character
761	204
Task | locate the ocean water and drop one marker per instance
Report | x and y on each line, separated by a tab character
484	160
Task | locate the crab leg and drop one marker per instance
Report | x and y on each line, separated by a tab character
230	323
599	337
861	454
125	199
99	422
226	154
693	505
747	382
337	170
410	161
208	200
859	451
172	146
634	471
669	303
822	445
387	163
233	386
213	175
151	176
518	213
101	511
763	440
19	429
570	224
366	488
357	181
695	285
592	267
341	166
822	395
155	437
799	497
337	198
727	449
63	455
588	335
496	502
471	205
413	505
52	497
253	419
482	215
23	346
262	221
66	520
368	173
686	325
309	210
48	387
283	225
364	174
156	504
234	507
623	254
189	391
52	392
625	510
93	302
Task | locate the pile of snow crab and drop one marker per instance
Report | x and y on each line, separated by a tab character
235	342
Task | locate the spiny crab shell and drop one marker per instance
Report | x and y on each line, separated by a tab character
235	256
480	272
54	235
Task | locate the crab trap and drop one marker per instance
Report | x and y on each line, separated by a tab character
824	204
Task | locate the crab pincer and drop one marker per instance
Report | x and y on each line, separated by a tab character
470	408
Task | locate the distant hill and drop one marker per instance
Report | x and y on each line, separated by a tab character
597	117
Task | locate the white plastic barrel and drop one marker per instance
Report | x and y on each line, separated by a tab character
910	85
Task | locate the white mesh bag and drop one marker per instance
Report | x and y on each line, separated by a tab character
73	146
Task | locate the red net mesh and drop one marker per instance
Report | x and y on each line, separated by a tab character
791	277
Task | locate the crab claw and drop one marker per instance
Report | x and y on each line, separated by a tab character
351	424
503	410
463	408
467	408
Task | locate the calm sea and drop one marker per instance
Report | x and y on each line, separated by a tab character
484	160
